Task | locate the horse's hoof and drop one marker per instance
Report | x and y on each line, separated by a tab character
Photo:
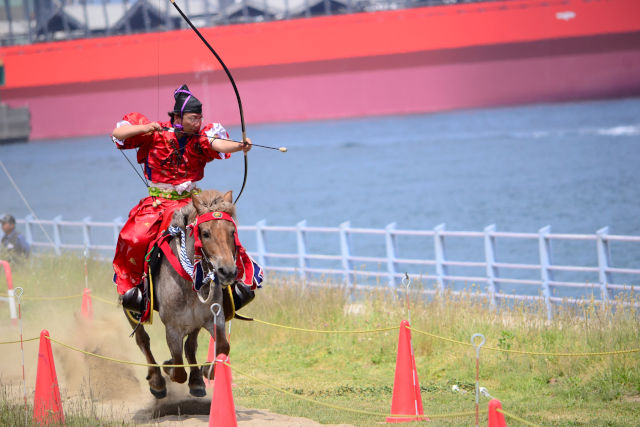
158	394
198	391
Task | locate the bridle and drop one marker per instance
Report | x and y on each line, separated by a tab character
199	253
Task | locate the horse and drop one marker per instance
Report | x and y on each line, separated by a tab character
183	311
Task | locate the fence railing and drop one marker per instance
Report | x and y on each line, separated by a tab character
441	260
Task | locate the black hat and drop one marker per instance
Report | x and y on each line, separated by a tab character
186	102
8	218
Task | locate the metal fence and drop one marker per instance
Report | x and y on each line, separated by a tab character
28	21
543	266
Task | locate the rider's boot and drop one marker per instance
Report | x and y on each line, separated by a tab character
133	300
242	295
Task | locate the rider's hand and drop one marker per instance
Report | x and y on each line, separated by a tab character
153	127
246	147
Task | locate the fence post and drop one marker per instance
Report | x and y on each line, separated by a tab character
261	244
345	251
441	267
604	260
28	233
117	226
390	241
56	234
301	238
490	258
86	235
544	247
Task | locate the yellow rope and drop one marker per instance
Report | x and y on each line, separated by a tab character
126	362
104	300
51	298
18	341
516	418
62	298
441	338
533	353
366	331
325	331
341	408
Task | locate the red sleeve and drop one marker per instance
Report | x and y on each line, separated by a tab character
213	130
134	141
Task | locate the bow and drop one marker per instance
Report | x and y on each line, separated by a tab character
235	89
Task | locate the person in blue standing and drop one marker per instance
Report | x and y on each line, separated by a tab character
13	242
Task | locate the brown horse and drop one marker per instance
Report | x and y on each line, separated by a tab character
183	311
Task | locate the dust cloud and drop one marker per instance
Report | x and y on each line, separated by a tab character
106	389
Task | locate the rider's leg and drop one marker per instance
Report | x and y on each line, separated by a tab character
128	263
242	295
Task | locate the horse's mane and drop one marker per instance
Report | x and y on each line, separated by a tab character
205	201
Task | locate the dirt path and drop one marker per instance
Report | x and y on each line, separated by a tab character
180	409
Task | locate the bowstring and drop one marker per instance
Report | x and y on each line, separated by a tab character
141	176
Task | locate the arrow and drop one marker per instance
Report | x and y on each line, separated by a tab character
174	130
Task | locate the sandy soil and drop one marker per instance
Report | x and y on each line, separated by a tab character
111	389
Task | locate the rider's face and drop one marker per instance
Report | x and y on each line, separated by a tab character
191	122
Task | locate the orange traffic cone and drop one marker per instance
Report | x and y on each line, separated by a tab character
496	419
211	356
47	406
406	398
87	307
223	410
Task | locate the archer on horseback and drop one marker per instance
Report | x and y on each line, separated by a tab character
174	155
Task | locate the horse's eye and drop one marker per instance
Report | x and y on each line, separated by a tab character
206	234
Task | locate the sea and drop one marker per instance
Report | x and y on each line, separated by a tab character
572	166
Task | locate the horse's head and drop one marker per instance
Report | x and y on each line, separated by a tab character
217	233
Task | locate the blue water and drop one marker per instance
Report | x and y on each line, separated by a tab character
573	166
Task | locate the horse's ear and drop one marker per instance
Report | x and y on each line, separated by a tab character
197	203
228	197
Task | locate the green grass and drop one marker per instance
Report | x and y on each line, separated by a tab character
355	372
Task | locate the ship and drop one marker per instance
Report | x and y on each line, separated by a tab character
433	58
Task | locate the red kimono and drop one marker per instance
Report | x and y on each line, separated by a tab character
173	169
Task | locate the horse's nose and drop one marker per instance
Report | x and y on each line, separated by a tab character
227	274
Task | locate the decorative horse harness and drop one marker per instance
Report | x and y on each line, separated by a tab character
250	274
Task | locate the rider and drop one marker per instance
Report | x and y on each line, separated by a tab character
173	163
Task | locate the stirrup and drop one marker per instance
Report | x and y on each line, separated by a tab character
133	300
242	295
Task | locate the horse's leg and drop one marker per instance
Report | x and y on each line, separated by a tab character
174	341
196	384
222	344
157	384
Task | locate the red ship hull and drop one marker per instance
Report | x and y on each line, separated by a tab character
400	62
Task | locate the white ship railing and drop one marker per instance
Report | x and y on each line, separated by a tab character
338	259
